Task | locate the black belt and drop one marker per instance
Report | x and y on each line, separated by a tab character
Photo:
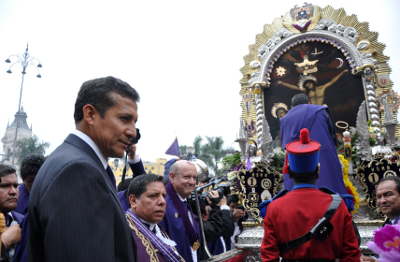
307	260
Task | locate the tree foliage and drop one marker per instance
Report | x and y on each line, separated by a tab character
182	150
31	145
210	151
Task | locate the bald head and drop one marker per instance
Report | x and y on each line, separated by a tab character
183	175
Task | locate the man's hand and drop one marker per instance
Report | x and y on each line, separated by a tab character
238	214
11	235
367	259
131	151
214	194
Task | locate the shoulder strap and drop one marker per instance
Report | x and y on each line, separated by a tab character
320	230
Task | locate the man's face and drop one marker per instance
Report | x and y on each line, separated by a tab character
310	85
207	215
8	193
113	133
151	204
185	179
28	181
282	113
233	206
388	199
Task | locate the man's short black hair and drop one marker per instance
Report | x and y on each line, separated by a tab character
124	184
139	184
232	198
6	170
306	178
96	92
31	164
396	180
299	99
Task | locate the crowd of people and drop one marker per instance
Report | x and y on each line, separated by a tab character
69	208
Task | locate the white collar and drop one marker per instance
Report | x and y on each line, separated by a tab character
151	226
93	145
182	199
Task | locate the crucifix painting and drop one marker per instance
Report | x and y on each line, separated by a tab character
321	71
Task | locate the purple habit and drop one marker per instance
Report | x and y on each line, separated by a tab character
167	252
314	118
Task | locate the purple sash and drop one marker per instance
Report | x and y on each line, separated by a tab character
167	251
189	228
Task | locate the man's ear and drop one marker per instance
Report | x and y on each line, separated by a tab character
89	114
133	201
171	177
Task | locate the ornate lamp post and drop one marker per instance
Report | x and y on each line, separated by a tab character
25	60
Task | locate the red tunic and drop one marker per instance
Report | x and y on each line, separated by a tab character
293	215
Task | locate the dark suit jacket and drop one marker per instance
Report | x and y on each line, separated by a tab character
389	222
74	212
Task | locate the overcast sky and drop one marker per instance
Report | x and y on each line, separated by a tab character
183	57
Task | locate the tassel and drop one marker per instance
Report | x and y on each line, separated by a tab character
304	136
286	166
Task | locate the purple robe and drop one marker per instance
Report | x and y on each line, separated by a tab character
23	200
314	118
145	250
20	249
173	225
19	218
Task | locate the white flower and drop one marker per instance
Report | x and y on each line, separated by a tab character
232	175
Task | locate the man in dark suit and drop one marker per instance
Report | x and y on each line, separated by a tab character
388	201
388	198
8	203
74	211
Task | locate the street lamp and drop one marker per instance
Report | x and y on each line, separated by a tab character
25	60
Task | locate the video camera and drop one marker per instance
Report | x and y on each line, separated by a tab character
222	189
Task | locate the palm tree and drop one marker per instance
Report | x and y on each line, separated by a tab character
212	152
197	145
31	145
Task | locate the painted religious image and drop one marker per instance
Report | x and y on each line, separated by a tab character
322	72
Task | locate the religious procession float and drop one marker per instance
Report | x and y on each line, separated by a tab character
337	62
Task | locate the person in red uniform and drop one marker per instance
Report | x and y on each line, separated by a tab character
291	216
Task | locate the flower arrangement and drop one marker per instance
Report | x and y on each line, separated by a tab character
232	176
349	186
231	161
386	243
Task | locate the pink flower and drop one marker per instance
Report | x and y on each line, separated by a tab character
386	243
